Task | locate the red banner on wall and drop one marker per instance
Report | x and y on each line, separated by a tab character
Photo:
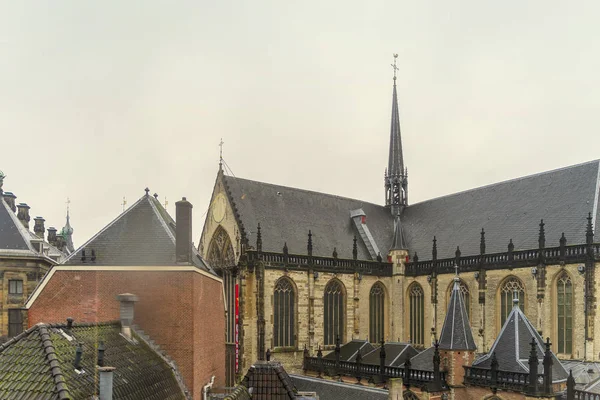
237	329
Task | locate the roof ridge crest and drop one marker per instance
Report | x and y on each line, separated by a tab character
56	371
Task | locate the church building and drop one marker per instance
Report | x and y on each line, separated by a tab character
301	268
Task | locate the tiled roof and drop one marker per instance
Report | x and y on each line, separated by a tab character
11	237
456	332
143	235
510	209
38	364
512	347
423	361
268	380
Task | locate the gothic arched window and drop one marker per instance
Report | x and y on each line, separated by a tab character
507	289
408	395
416	314
564	313
334	302
284	311
464	291
376	312
220	250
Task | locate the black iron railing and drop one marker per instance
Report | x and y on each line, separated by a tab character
507	380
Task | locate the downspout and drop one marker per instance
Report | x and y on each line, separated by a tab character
207	387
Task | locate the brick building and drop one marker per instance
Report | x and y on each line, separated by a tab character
25	257
144	252
307	266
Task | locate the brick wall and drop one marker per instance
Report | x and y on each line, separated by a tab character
182	311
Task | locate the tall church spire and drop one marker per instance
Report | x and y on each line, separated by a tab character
396	179
67	232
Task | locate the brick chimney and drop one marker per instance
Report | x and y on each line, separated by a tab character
127	301
38	227
183	231
23	214
9	198
52	236
106	382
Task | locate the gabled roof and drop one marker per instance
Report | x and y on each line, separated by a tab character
395	354
456	332
423	361
269	380
511	209
38	363
349	351
143	235
512	347
287	214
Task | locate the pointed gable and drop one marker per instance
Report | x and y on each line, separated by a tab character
143	235
456	333
12	232
512	347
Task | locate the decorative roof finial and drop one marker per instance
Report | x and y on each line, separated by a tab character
2	176
482	242
309	245
589	233
456	278
147	191
515	298
542	235
354	249
394	66
221	143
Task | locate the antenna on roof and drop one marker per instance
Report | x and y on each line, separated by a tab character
124	203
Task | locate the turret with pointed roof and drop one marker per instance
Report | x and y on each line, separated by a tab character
67	233
512	346
456	332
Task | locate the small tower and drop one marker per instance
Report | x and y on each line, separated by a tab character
396	176
456	339
67	232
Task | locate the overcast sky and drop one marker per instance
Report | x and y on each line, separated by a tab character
101	99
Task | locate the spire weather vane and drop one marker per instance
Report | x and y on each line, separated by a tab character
68	202
394	65
221	143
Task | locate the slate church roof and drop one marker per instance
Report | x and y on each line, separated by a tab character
512	347
456	332
143	235
38	364
510	209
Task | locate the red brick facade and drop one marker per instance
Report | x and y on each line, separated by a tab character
182	311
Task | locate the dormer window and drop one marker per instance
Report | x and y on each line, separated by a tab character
15	287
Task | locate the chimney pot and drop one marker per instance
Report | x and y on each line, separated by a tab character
70	323
127	301
183	231
9	198
78	354
23	214
106	382
101	350
38	227
52	236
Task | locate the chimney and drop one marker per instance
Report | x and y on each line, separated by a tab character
23	214
127	302
38	227
106	382
183	231
52	236
9	198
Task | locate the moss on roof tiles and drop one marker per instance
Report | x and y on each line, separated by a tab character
26	372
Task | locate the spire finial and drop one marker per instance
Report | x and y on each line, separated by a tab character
456	278
394	66
221	143
147	191
515	298
68	202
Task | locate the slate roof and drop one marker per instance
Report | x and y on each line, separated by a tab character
512	347
15	239
287	214
268	380
330	390
143	235
349	351
395	354
38	364
456	332
423	361
510	209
